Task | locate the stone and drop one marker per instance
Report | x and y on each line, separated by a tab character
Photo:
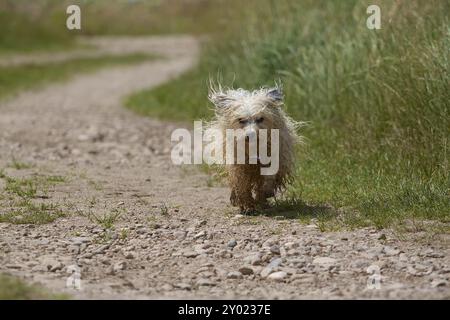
277	276
324	261
254	259
266	271
234	275
232	243
439	283
205	283
190	254
121	265
246	270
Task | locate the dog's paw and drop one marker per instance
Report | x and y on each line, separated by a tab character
233	199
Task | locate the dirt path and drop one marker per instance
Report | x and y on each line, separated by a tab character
176	236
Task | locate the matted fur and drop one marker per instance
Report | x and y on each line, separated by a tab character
248	187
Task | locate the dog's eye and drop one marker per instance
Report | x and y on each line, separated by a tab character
243	121
259	120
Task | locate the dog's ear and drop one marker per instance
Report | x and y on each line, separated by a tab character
220	99
276	95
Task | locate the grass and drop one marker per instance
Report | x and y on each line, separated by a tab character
12	288
14	79
377	101
21	200
18	165
41	24
106	220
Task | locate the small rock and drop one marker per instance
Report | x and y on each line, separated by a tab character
80	240
266	271
56	267
232	243
183	286
277	276
225	254
234	275
205	283
200	234
390	251
180	234
439	283
324	261
254	259
275	249
166	287
291	245
129	255
275	263
121	265
190	254
246	271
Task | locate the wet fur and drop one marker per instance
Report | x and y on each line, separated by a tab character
250	189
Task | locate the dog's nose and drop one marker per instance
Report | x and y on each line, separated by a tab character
250	134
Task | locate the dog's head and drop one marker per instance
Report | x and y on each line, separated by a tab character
248	110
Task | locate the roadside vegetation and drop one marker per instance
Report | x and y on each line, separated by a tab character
12	288
24	199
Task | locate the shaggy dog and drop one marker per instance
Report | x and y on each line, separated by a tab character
251	111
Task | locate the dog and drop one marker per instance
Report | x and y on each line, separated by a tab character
251	111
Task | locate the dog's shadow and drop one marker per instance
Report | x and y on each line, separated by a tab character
295	208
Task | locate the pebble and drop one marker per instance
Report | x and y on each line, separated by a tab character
266	271
183	286
180	234
254	259
439	283
205	283
324	261
390	251
232	243
190	254
246	270
234	275
275	249
129	255
80	240
121	265
277	276
200	234
275	263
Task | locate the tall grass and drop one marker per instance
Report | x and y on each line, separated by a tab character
378	101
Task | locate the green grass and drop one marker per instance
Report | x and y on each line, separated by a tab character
106	220
21	199
12	288
14	79
377	101
18	165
